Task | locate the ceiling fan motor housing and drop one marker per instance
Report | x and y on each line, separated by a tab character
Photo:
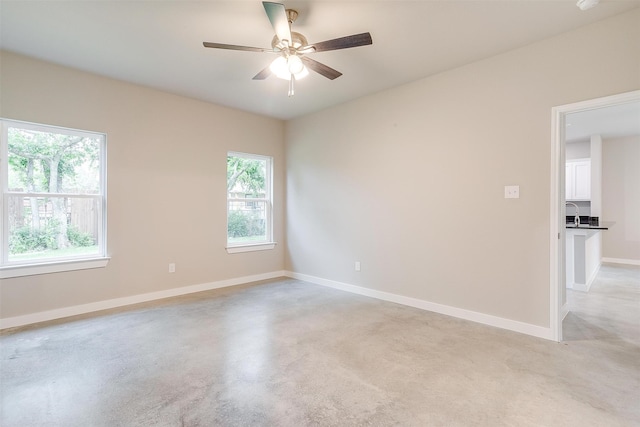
298	41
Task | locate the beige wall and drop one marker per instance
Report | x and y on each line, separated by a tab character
621	197
410	181
166	183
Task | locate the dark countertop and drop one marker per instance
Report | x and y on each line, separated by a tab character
602	226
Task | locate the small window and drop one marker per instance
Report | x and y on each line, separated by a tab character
249	223
53	195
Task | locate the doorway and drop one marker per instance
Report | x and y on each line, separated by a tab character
558	295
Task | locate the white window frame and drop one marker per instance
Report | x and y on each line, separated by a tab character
9	269
268	243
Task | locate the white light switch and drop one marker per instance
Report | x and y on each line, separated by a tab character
357	266
511	191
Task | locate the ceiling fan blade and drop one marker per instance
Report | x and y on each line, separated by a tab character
355	40
320	68
263	74
235	47
277	15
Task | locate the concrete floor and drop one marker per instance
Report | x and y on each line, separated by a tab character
289	353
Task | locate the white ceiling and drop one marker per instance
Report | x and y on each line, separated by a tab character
608	122
159	43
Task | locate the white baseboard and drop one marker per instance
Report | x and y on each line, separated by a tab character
622	261
43	316
564	311
486	319
582	287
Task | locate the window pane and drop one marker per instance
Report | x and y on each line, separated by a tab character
48	162
246	222
52	227
246	177
248	199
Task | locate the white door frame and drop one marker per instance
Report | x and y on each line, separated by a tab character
558	308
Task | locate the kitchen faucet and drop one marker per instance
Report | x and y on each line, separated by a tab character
576	220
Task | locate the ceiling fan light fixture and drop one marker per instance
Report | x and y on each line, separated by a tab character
587	4
294	64
283	68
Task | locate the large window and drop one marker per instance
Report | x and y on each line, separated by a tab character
53	197
248	202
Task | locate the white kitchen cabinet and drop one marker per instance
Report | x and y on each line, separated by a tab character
578	179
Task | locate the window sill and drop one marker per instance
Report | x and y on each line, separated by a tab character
251	248
10	271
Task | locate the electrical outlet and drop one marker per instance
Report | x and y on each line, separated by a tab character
511	191
172	268
357	266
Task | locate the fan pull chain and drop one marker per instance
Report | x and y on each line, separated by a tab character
291	85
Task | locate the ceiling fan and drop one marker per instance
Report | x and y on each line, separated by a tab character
291	47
